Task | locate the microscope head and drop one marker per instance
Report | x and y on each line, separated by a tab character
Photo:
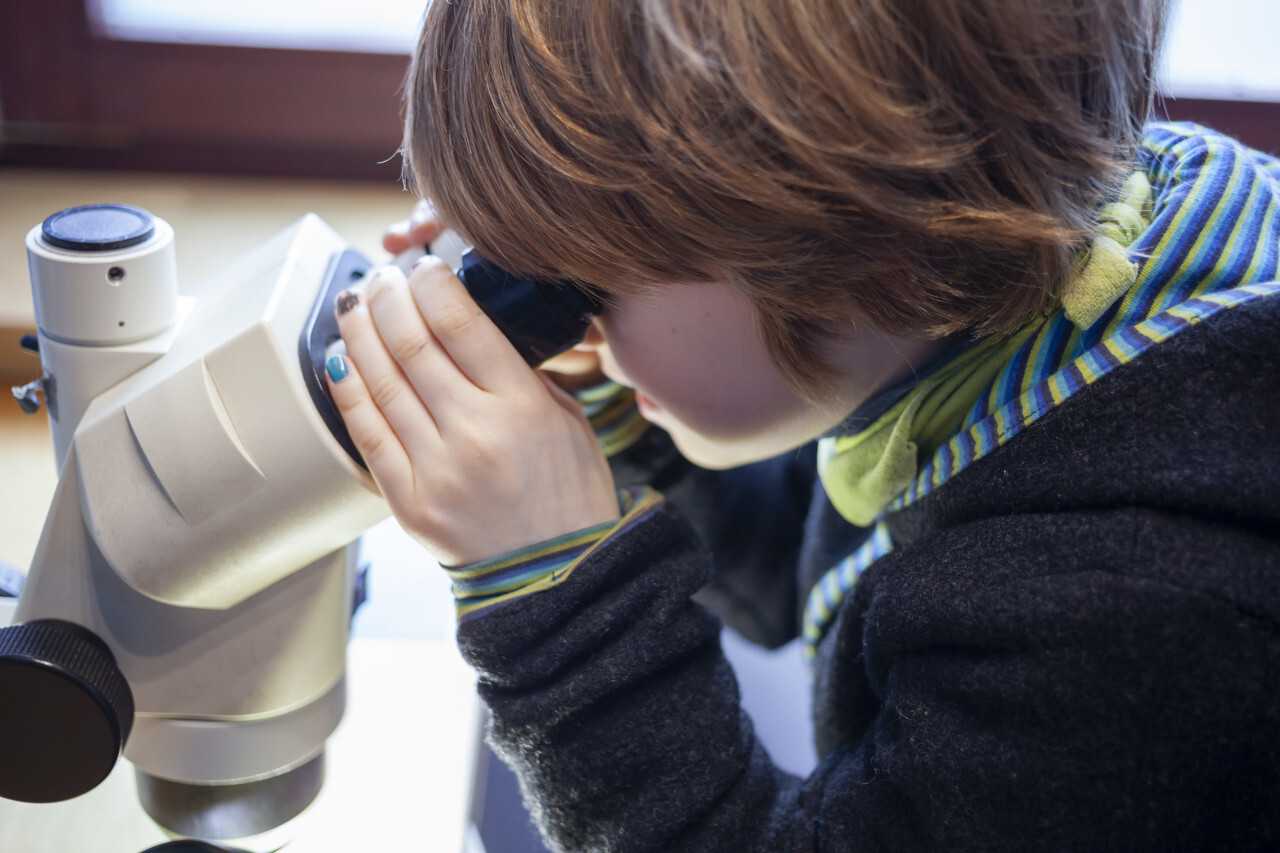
189	601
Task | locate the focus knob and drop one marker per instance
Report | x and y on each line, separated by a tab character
65	711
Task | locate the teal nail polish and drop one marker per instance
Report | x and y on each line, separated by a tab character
337	367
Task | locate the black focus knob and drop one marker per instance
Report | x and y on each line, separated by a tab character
191	845
65	711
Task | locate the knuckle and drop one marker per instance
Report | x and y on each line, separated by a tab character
452	319
385	390
410	346
372	445
488	452
366	435
527	408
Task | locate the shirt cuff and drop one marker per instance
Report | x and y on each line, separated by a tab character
611	409
483	587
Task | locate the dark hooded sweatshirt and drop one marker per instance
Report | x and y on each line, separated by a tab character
1074	643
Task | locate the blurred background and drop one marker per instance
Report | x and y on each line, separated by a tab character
178	101
287	87
233	118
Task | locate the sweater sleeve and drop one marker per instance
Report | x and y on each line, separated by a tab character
752	518
1005	702
613	703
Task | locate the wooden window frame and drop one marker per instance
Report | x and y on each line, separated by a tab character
73	98
1255	123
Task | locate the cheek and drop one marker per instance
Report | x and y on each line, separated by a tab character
699	356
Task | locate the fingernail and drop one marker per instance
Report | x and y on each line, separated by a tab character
337	367
380	279
346	300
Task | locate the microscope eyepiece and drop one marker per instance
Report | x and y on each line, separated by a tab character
103	275
99	228
541	318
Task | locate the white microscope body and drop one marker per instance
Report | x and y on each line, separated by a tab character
191	594
199	530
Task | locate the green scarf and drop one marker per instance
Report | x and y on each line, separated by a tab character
864	472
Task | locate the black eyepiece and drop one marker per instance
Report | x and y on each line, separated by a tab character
542	318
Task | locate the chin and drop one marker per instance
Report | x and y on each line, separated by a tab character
718	455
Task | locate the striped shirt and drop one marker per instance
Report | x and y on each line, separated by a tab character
1213	243
481	588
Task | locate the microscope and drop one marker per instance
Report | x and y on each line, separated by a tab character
189	602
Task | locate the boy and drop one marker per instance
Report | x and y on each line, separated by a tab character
1035	552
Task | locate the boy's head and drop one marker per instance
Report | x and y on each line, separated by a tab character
926	166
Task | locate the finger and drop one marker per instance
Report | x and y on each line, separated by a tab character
396	238
575	369
371	434
436	380
566	400
469	337
388	387
573	362
422	228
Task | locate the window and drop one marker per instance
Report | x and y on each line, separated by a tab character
77	89
1222	50
1219	68
373	26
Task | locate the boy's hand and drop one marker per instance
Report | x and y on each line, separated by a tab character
571	370
476	453
574	369
422	228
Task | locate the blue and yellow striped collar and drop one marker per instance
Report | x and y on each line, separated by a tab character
1212	243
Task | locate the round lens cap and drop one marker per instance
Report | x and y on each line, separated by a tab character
99	227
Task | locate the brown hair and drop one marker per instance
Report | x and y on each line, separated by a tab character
928	166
